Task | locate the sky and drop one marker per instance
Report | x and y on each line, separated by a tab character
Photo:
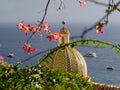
32	10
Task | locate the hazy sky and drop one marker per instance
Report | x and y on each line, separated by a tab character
32	10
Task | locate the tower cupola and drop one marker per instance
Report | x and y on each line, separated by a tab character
68	59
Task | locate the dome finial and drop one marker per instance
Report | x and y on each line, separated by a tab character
63	22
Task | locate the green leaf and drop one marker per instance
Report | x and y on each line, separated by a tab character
39	60
99	44
93	43
107	10
117	51
112	47
72	45
105	46
1	68
86	43
59	87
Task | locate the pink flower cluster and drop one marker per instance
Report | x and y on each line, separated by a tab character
54	36
82	3
26	28
99	28
1	58
28	48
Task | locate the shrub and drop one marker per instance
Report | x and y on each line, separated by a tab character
41	78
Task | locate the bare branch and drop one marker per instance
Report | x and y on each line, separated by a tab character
27	59
60	6
46	9
99	3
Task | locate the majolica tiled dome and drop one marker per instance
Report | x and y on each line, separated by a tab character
68	59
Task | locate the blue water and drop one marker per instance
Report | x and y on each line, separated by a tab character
11	39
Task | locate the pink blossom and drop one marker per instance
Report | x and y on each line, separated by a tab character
46	27
50	36
20	25
24	27
100	31
1	58
54	36
99	28
27	48
35	29
82	3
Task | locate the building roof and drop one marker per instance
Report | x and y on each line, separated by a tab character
67	59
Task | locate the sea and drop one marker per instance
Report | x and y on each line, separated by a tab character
11	40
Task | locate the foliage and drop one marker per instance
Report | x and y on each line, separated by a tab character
41	78
4	66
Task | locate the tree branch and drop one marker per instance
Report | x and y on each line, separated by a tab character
46	9
99	3
60	6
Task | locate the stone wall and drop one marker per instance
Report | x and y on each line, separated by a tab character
100	86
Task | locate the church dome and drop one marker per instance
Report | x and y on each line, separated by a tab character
67	59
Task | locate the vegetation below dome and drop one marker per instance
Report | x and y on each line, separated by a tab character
40	78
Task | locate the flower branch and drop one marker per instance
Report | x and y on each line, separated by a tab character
41	23
99	21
